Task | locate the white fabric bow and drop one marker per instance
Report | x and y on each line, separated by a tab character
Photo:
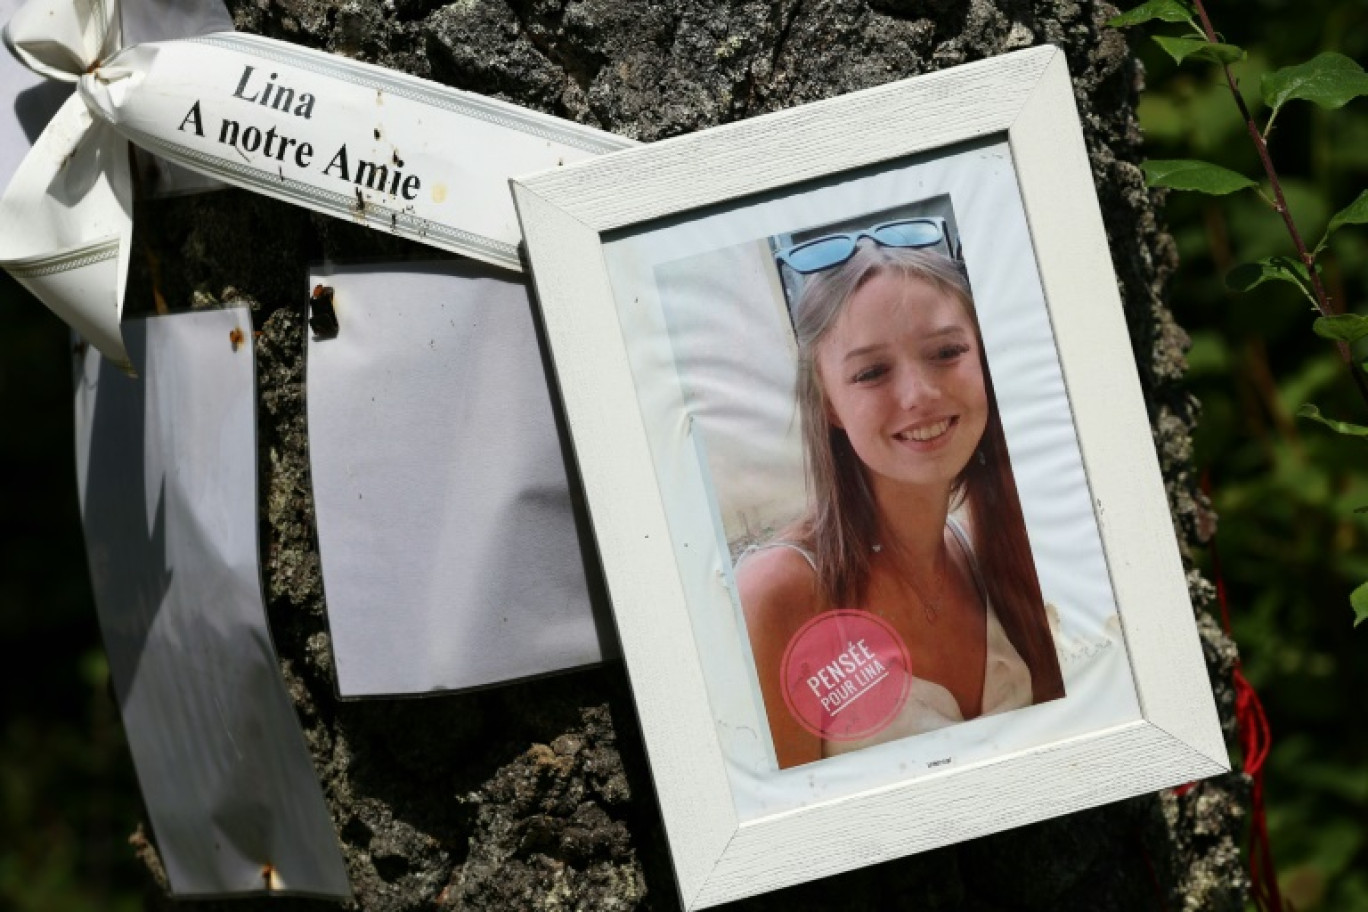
66	216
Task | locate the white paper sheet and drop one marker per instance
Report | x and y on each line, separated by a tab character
166	469
27	103
450	552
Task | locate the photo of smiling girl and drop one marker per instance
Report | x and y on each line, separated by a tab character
913	533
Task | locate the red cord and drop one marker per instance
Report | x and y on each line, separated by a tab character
1255	740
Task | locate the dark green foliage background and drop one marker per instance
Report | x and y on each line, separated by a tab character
1285	489
68	798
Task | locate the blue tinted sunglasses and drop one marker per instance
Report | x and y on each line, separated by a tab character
834	249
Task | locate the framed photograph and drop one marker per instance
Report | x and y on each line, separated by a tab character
871	476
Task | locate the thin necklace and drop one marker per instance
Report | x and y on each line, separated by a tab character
931	607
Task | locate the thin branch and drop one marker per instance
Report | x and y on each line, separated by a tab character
1323	303
1268	127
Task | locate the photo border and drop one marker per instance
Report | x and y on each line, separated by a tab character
565	215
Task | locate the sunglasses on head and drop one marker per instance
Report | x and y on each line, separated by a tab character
834	249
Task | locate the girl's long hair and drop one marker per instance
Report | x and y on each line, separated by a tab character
841	525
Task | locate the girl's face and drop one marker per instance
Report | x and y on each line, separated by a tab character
901	374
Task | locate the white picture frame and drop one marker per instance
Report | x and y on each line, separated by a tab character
734	828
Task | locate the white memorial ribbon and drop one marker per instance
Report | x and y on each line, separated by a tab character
345	138
65	219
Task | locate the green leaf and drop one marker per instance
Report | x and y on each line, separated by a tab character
1164	10
1248	276
1340	427
1181	49
1356	213
1329	79
1342	327
1359	600
1188	174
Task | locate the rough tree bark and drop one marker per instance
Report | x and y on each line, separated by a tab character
537	796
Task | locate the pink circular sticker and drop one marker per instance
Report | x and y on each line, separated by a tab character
845	675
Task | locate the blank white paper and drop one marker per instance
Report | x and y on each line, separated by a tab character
166	468
27	103
451	556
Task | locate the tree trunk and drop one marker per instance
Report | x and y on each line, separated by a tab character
537	796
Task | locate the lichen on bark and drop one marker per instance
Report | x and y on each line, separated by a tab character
537	795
